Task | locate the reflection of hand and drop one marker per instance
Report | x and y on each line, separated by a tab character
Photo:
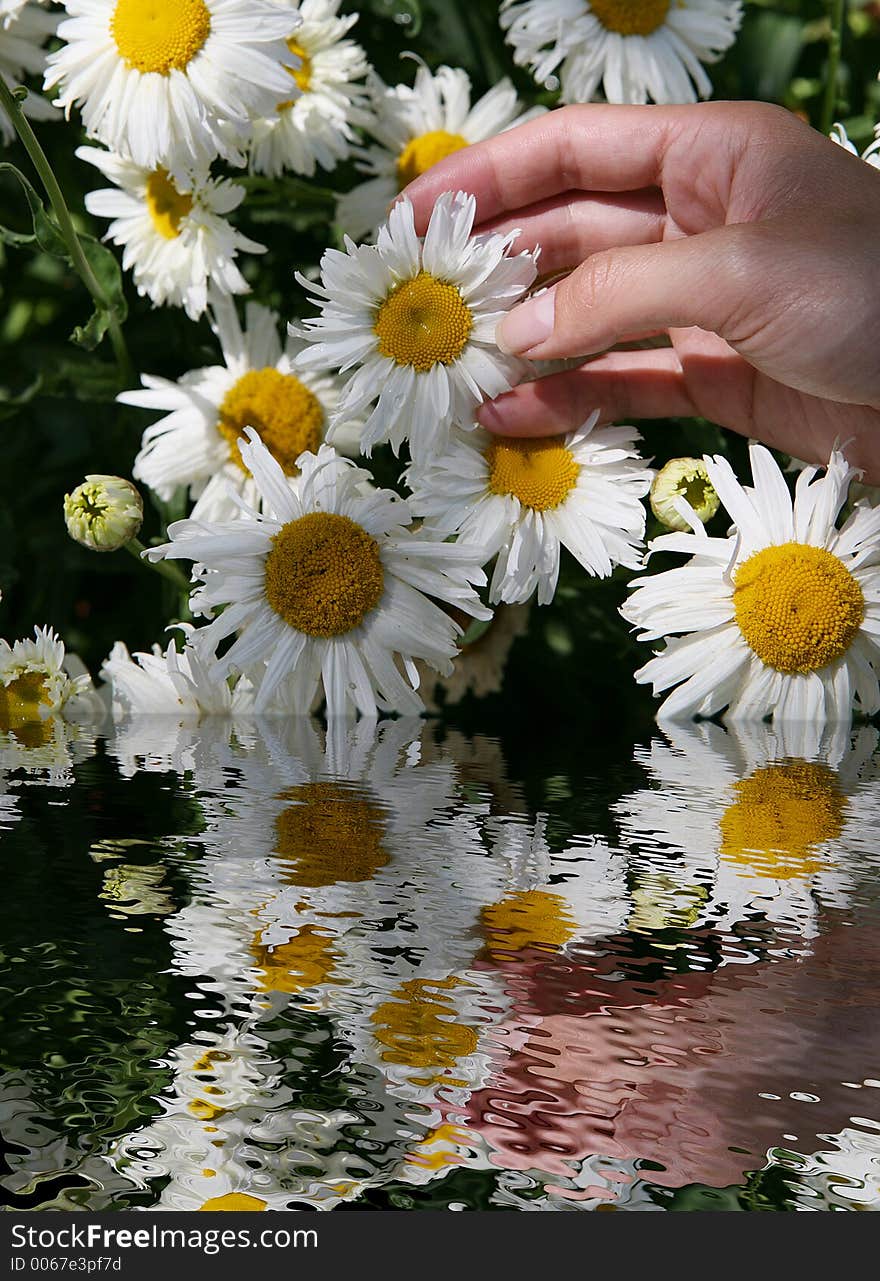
747	237
673	1070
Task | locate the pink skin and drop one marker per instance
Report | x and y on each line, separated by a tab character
734	230
673	1070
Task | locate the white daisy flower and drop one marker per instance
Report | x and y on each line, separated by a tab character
782	617
180	683
635	49
527	498
414	129
197	442
38	679
418	318
871	154
174	234
327	585
313	127
24	30
172	82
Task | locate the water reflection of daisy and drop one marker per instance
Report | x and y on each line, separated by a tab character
326	585
175	238
635	49
746	825
197	442
782	616
417	318
414	129
526	499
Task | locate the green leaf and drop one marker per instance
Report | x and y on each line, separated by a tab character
103	263
45	233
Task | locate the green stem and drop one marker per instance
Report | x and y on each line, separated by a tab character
167	570
65	223
835	41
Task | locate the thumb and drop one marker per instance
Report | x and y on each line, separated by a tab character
621	294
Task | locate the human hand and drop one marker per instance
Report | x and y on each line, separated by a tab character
735	229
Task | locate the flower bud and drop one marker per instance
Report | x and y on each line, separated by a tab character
685	478
103	513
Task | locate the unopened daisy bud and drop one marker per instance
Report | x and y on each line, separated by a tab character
103	513
685	478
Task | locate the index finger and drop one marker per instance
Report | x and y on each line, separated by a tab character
592	147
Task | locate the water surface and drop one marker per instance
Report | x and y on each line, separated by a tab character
261	966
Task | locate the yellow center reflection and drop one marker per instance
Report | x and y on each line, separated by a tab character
527	919
330	832
306	960
781	815
418	1028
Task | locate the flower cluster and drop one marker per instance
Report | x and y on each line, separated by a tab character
352	530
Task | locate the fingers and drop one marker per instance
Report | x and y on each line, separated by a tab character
622	384
592	147
704	281
570	228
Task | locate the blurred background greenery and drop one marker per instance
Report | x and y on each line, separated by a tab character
57	411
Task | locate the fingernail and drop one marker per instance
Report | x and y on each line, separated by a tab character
528	325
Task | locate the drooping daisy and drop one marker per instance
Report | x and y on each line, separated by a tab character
313	127
197	442
414	128
782	617
525	499
871	154
176	683
417	318
36	681
24	30
174	236
327	585
173	82
635	49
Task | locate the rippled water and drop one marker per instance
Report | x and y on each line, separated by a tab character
257	966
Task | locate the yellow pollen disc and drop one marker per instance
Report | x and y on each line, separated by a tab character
423	322
167	206
288	417
539	471
241	1201
428	149
160	35
204	1110
305	961
205	1062
418	1026
798	607
780	815
527	919
324	574
631	17
301	74
21	700
329	833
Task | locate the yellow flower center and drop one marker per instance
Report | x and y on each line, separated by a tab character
780	815
527	919
167	206
324	574
540	471
21	700
421	153
241	1201
423	322
631	17
160	35
419	1028
205	1062
660	902
287	415
301	74
330	832
797	607
305	961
